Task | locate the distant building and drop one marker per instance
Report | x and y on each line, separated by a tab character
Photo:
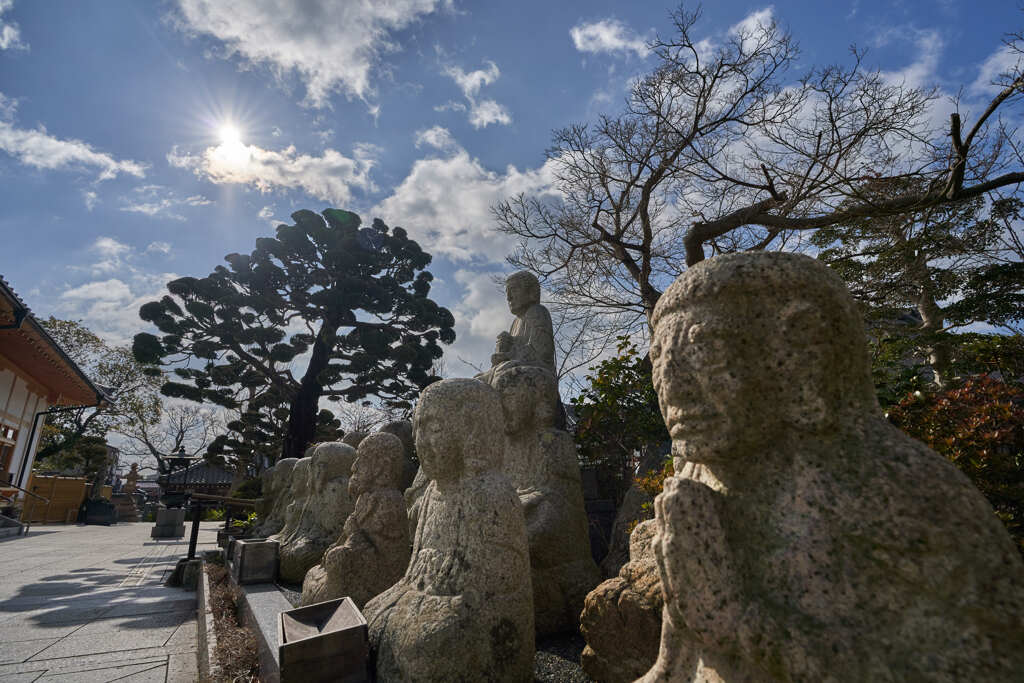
36	377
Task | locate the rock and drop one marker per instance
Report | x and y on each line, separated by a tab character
463	610
276	484
324	513
403	430
804	538
621	618
372	552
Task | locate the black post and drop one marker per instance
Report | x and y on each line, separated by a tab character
196	509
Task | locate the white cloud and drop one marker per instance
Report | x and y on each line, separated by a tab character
330	176
437	137
332	46
157	201
8	105
158	248
921	73
484	112
110	308
999	62
481	313
106	290
91	199
470	83
607	35
111	255
445	204
10	34
752	26
39	149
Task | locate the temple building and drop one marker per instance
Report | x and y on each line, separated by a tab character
36	377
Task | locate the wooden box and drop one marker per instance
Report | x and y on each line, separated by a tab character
323	642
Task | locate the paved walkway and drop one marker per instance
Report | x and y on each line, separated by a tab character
86	603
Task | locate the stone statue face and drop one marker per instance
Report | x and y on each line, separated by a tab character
439	453
520	296
712	387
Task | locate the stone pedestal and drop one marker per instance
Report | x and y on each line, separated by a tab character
170	523
253	561
323	642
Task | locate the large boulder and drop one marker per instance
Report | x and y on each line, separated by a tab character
621	618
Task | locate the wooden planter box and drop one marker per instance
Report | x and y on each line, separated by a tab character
323	642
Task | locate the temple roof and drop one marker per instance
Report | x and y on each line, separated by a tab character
202	472
28	346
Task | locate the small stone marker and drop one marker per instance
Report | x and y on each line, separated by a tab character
170	523
323	642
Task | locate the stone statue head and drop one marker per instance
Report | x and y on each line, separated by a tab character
749	348
298	483
354	438
378	464
529	398
522	289
458	428
330	461
403	430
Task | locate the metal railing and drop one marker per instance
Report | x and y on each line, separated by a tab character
27	514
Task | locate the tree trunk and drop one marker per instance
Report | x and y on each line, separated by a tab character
304	406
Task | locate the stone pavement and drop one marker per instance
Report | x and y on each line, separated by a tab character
86	603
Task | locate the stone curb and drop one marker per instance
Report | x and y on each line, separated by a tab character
206	651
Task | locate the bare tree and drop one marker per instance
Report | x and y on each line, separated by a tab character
191	427
716	152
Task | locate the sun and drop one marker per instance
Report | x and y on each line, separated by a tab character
230	135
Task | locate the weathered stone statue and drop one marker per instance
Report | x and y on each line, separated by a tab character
276	484
372	552
324	513
531	341
621	619
463	611
403	430
353	439
804	538
131	480
541	461
294	498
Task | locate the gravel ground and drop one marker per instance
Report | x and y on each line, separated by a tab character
557	659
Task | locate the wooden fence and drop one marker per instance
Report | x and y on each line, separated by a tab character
66	495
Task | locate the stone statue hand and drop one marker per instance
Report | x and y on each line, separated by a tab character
695	562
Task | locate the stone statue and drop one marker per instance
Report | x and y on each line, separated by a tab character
540	460
531	340
276	484
621	619
463	611
324	513
131	480
353	439
403	430
804	538
294	498
372	552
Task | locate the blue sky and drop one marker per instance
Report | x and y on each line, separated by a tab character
119	169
